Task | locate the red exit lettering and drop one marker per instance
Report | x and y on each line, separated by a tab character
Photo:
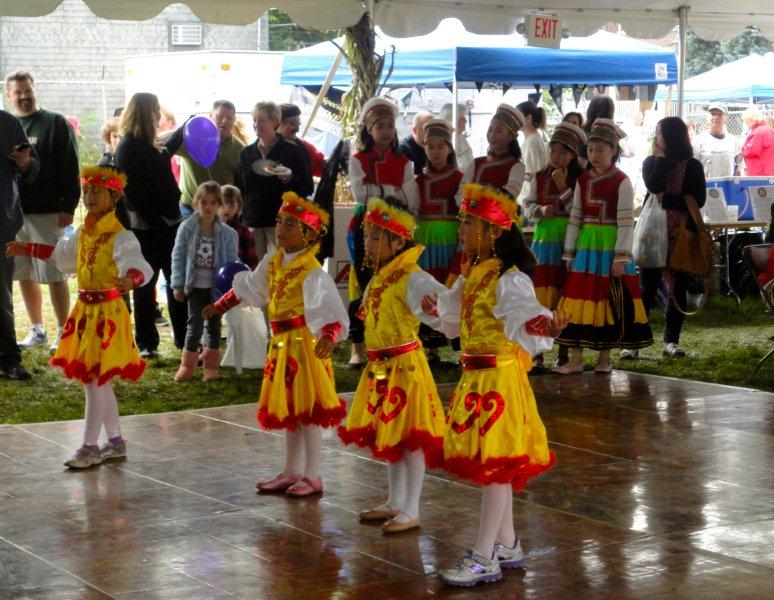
545	28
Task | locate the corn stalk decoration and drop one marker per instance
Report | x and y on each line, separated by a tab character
360	51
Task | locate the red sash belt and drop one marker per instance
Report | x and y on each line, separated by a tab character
392	351
476	362
98	296
287	324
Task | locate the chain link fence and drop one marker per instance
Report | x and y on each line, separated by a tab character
91	103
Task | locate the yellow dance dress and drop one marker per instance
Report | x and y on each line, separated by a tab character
493	430
396	407
301	301
97	342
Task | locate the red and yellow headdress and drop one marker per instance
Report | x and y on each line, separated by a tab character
106	177
305	211
488	204
391	218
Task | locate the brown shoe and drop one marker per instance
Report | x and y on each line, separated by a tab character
394	526
378	514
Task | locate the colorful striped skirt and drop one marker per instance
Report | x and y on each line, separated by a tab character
605	312
440	240
548	246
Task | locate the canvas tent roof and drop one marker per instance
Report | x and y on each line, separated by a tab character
711	19
450	51
749	78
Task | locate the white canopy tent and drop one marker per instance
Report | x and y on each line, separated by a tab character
711	19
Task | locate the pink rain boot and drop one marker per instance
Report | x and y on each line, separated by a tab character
187	368
211	358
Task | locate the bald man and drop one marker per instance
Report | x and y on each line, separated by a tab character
413	146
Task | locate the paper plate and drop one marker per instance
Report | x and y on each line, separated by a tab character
269	168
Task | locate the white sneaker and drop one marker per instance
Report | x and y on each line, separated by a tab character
84	457
34	338
509	558
470	569
629	354
53	347
673	350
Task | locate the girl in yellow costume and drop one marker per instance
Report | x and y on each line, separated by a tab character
494	435
307	317
97	343
396	412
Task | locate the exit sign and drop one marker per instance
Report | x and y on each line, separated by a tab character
544	31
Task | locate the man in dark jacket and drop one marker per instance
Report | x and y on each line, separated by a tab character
48	204
413	146
17	164
262	189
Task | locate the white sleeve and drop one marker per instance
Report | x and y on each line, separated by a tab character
356	180
464	153
573	228
519	310
127	255
323	305
532	210
625	217
449	308
515	179
410	189
420	284
252	287
467	177
65	253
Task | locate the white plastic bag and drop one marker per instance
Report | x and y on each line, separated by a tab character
650	236
246	339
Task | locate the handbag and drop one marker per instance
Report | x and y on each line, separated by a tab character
693	252
651	242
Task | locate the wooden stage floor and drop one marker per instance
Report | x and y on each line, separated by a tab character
663	490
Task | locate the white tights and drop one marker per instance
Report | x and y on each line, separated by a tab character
101	410
496	519
306	440
405	478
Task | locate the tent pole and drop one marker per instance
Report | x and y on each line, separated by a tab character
323	91
455	117
683	30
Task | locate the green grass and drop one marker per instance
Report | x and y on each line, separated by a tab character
723	343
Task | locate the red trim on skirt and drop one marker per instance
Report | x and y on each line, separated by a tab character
77	370
417	439
323	417
516	470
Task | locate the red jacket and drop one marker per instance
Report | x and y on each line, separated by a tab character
316	158
758	150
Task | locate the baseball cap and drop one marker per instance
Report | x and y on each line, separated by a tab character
717	106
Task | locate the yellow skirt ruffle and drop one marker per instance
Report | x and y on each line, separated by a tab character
97	344
298	388
396	408
493	430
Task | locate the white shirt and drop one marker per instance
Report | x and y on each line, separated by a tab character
516	305
322	302
717	156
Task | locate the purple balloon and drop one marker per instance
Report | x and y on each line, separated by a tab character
202	140
225	276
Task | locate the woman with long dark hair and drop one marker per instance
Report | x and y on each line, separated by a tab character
152	198
670	174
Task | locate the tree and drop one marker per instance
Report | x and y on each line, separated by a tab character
703	55
284	35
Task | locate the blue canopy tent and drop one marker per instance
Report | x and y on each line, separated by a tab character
450	54
747	80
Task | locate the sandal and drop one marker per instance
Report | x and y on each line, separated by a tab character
603	370
279	484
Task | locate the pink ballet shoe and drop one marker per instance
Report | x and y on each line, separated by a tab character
305	487
279	484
